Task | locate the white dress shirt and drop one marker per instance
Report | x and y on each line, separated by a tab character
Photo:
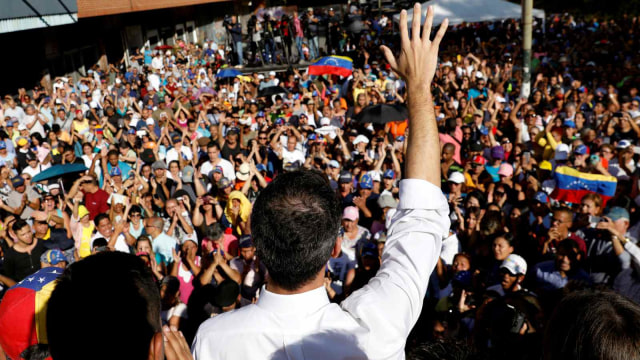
372	323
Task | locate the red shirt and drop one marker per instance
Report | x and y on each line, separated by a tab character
96	203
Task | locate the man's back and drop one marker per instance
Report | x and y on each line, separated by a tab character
372	323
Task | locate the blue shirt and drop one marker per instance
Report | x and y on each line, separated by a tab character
163	246
549	278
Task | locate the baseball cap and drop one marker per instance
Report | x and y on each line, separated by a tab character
476	146
260	167
456	177
386	200
581	150
350	213
545	165
497	152
233	130
3	145
245	241
115	171
176	138
158	164
478	113
569	124
505	169
31	156
366	182
272	73
22	141
22	127
479	160
623	144
334	164
260	114
617	213
224	183
53	257
389	174
360	139
562	152
369	249
541	197
515	264
345	177
150	121
17	181
218	169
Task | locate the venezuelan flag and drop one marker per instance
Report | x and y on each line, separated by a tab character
572	185
23	312
332	65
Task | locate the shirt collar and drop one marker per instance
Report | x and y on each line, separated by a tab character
304	303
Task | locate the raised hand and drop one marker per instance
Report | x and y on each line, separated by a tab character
418	58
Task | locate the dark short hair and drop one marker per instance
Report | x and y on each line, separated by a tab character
110	295
18	224
593	325
294	224
99	217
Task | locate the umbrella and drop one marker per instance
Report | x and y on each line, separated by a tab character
57	171
205	90
228	73
272	90
382	114
332	65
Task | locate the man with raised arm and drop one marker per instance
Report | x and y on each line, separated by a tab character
295	223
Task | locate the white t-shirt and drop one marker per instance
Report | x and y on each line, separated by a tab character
173	154
292	156
179	310
227	169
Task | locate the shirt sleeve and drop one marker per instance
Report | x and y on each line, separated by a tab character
634	251
390	304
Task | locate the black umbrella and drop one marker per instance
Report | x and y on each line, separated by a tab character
272	90
382	114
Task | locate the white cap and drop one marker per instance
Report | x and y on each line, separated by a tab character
272	73
150	121
456	177
260	76
623	144
360	139
118	81
375	175
22	127
562	152
325	121
515	264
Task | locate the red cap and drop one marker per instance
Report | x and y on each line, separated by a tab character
479	160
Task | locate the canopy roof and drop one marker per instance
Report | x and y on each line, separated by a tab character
459	11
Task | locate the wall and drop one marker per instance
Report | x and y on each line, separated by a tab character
89	8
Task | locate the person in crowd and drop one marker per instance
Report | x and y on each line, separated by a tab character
168	161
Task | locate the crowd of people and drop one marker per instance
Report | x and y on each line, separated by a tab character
175	157
303	36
